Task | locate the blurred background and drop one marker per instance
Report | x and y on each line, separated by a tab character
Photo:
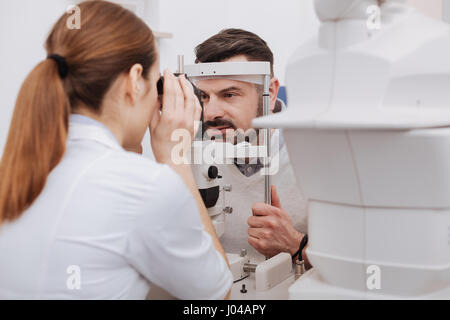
179	25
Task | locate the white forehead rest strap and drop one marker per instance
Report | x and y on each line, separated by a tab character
228	69
251	79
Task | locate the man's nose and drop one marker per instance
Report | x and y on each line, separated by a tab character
213	110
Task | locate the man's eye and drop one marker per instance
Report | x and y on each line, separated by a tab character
203	96
229	95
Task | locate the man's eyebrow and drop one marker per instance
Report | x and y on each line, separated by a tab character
222	91
230	89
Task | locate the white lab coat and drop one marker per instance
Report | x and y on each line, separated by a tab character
108	223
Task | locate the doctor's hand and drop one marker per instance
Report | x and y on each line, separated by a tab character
271	230
181	108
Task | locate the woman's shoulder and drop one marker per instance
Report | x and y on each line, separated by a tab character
155	187
119	175
140	161
128	168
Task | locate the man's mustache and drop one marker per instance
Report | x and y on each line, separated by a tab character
239	135
220	123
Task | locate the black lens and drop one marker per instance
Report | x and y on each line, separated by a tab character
160	86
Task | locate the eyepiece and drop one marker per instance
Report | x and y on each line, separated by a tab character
160	86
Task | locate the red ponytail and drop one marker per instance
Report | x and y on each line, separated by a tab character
36	140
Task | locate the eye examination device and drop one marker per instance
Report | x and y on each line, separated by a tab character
271	278
368	134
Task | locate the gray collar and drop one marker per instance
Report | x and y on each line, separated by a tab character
248	169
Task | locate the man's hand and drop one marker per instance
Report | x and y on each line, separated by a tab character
271	230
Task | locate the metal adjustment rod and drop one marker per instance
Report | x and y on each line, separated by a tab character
299	268
249	267
267	142
227	188
228	210
180	60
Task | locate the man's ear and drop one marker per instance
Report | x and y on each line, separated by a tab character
274	88
133	86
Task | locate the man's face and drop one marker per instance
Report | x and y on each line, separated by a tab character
228	104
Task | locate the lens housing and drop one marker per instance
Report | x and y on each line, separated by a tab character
160	86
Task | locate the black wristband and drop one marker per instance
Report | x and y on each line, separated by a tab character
303	244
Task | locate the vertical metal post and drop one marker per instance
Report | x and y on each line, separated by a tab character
180	64
267	142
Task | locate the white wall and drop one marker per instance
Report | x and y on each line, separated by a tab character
283	24
24	25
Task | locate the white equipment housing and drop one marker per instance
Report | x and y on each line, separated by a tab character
208	154
268	280
368	135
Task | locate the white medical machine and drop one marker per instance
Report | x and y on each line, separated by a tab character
368	135
271	278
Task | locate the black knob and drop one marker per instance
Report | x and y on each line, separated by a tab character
243	290
213	172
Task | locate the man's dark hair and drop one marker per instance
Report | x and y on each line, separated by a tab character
229	43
